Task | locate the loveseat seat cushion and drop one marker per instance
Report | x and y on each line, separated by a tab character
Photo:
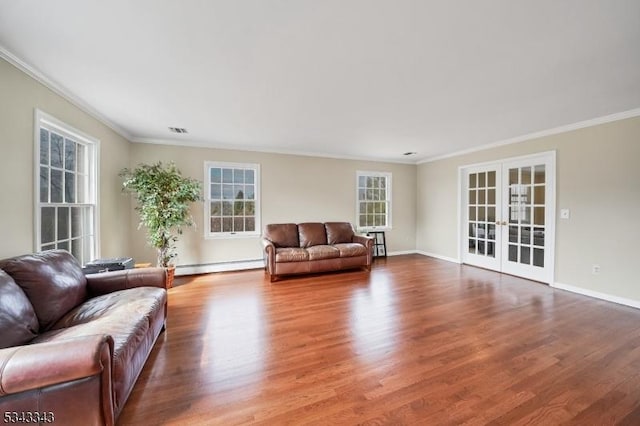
291	254
351	249
339	232
52	280
323	252
312	234
282	234
18	321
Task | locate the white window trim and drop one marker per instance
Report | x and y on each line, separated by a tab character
207	201
41	117
388	176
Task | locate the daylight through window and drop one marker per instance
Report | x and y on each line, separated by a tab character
232	206
66	189
374	200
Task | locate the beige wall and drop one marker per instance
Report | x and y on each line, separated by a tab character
20	95
597	178
294	189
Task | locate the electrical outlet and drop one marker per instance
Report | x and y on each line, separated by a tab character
565	214
595	270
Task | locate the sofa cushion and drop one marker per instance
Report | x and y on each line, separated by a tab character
291	254
322	252
282	234
122	304
52	280
351	249
125	315
339	232
312	234
18	321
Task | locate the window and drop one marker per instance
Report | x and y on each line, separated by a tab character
232	207
374	200
66	189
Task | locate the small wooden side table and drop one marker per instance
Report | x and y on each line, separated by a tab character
379	243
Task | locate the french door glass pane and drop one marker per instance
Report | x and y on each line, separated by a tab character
527	208
482	213
538	257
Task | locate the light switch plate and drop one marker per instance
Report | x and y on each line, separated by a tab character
564	214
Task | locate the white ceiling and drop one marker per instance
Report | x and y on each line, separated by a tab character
347	78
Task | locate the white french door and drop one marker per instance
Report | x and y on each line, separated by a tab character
508	216
483	234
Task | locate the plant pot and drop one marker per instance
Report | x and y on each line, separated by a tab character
171	271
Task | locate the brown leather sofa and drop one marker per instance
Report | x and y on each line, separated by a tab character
72	347
314	247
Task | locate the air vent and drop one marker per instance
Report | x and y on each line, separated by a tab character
178	130
410	153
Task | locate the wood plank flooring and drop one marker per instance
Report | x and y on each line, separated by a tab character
416	341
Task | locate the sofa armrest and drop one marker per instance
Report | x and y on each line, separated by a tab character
108	282
30	367
368	243
364	240
269	255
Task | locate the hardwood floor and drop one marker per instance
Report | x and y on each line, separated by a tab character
416	341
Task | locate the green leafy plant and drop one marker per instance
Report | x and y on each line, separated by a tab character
164	197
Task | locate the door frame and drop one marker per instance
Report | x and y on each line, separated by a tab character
551	205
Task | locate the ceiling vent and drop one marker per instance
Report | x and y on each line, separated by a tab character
178	130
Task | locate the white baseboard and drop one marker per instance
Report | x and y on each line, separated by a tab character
400	253
598	295
239	265
437	256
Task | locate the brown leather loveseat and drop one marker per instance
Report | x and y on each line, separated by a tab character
314	247
72	347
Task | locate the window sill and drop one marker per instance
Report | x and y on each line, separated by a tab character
374	229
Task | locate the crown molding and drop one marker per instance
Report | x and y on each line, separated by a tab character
61	91
536	135
76	101
197	144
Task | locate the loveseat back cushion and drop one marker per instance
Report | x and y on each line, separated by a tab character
339	232
18	321
282	234
312	234
52	280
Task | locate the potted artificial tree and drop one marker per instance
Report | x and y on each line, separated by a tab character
163	197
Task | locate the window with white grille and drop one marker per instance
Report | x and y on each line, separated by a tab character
232	206
373	200
66	189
